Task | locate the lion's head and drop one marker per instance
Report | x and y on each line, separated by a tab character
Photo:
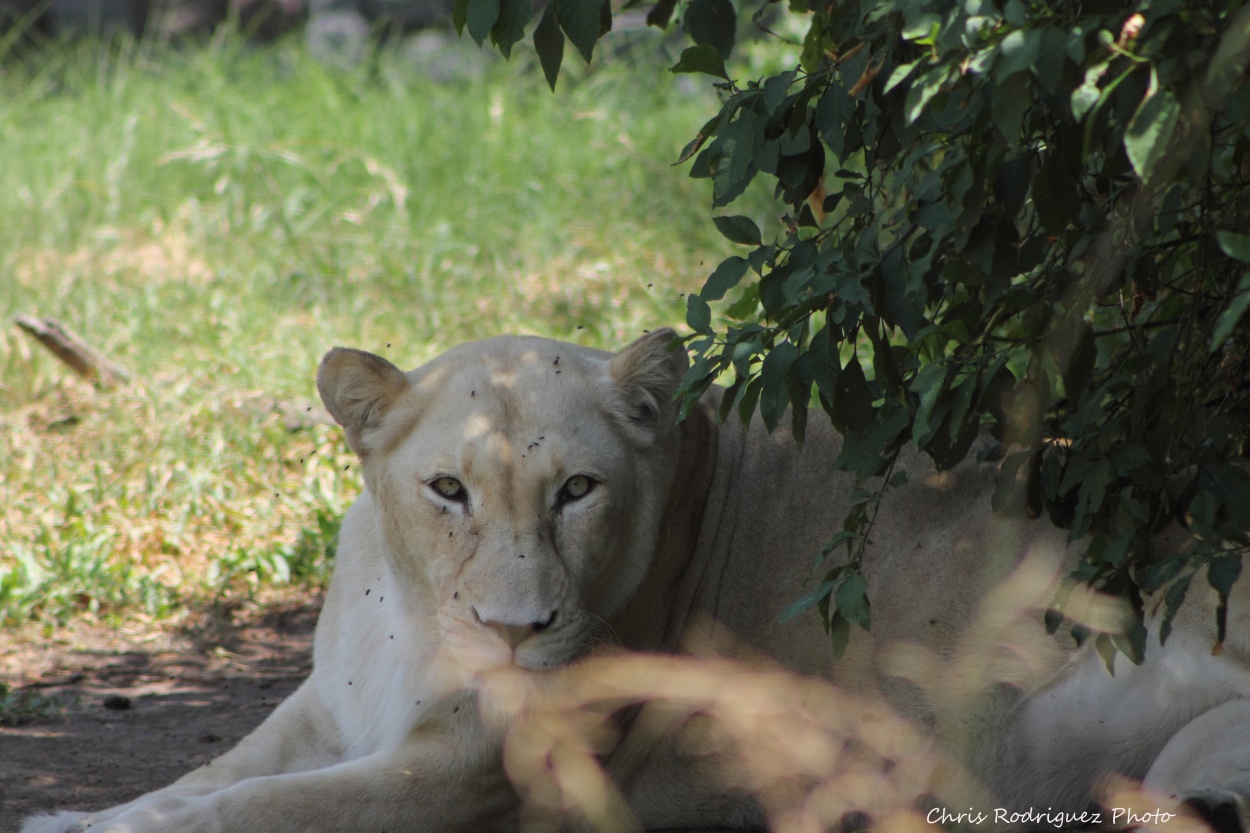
518	484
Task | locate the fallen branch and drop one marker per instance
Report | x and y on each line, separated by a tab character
71	349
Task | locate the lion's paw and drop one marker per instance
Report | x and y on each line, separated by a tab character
1222	810
64	822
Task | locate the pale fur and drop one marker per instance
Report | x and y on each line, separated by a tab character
696	534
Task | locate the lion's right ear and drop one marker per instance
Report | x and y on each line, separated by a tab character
358	388
646	375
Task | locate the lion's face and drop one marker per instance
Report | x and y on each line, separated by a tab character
519	485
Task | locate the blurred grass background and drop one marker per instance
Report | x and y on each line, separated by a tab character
213	218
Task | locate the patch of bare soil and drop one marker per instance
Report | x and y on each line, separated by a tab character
175	701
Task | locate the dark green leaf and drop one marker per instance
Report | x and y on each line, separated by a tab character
773	399
1014	13
1160	574
1232	314
701	58
1173	598
459	14
807	601
824	364
605	18
761	258
1229	60
1106	650
1085	97
1017	52
852	403
661	13
1132	643
777	90
843	536
750	396
1236	246
839	634
1010	104
953	439
1129	458
738	229
746	306
714	124
549	44
713	23
582	22
731	396
928	386
1056	195
922	28
509	29
878	439
698	314
1149	134
734	155
1224	572
851	599
923	90
724	278
899	75
480	17
798	417
833	113
1056	62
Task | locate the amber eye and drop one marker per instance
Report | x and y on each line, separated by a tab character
450	488
576	488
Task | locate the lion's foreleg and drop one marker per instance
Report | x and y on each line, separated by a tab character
299	735
425	785
1207	766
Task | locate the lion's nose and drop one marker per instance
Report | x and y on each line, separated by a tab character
514	634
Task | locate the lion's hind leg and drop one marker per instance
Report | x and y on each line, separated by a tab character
1206	765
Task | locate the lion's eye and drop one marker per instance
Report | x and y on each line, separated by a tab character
450	488
576	488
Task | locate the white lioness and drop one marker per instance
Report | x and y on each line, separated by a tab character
529	503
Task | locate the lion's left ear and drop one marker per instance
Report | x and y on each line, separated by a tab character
358	388
646	375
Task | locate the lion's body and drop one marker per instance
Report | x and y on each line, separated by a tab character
527	500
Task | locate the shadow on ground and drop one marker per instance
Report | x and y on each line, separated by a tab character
187	703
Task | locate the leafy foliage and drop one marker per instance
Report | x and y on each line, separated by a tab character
1025	216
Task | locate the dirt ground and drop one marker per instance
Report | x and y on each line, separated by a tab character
192	694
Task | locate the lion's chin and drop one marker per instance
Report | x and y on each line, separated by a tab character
540	663
484	660
479	656
546	657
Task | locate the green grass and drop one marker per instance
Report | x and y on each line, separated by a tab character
25	706
214	220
